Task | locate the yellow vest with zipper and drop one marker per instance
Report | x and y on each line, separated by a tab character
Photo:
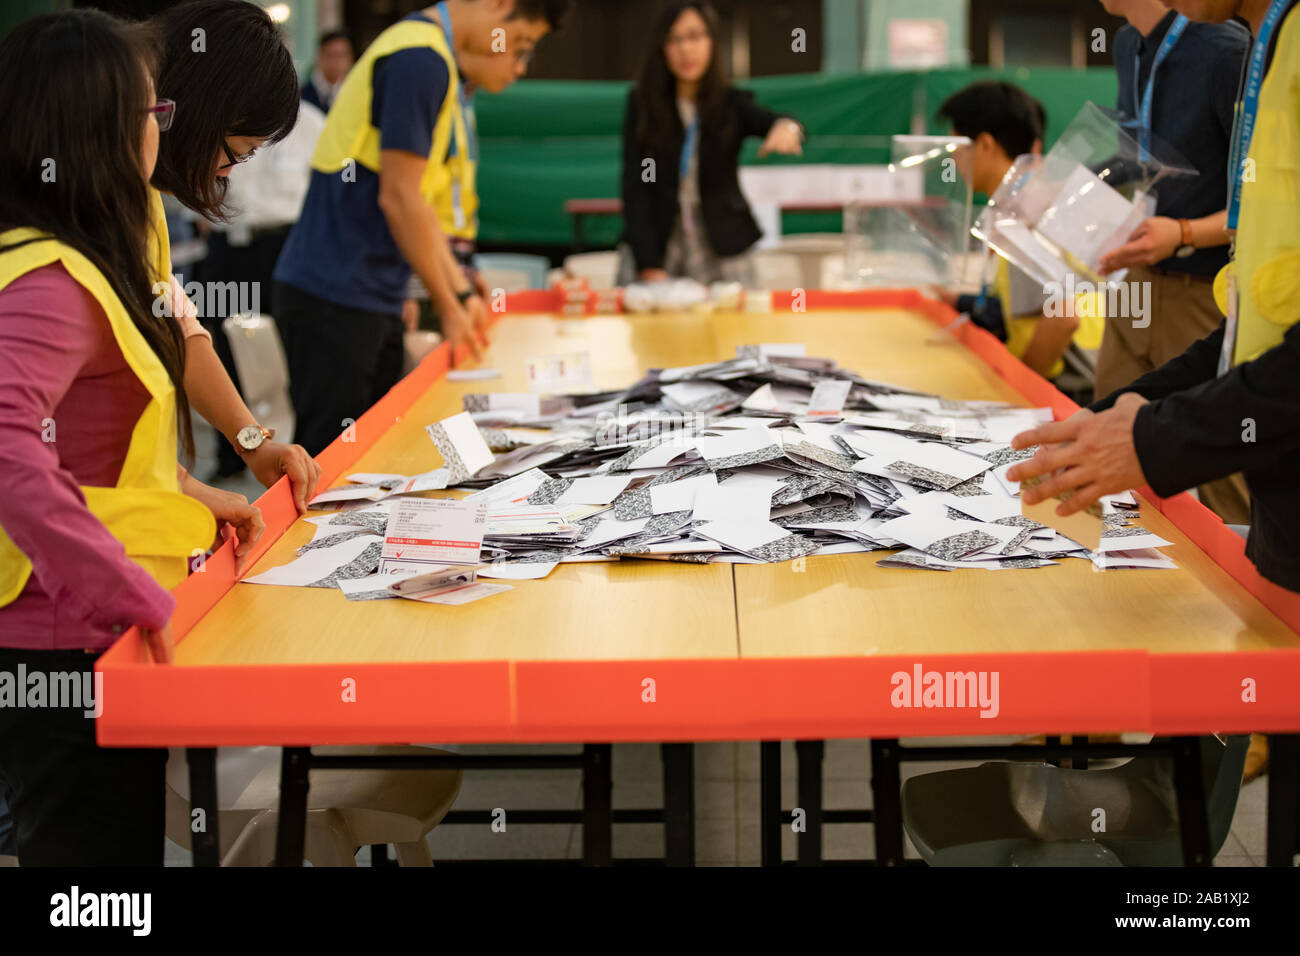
1267	262
349	135
159	527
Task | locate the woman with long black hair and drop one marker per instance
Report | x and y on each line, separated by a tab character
97	522
683	211
225	64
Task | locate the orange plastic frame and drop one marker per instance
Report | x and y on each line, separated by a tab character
503	701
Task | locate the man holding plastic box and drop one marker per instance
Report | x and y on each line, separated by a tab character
1178	83
1230	402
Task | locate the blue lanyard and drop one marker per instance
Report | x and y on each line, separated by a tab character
1144	103
1244	127
688	147
466	99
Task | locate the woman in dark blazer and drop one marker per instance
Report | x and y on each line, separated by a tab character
683	212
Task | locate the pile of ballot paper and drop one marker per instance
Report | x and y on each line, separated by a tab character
769	456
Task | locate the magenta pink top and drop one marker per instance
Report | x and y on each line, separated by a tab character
68	405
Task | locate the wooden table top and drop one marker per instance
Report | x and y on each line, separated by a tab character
647	610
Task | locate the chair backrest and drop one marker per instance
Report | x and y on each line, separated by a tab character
534	268
263	371
1221	768
598	268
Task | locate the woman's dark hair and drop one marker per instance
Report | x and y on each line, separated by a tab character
225	64
74	95
656	87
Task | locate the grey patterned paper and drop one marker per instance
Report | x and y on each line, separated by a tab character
1004	456
844	514
956	545
680	473
906	559
329	540
970	488
375	522
1025	563
363	565
379	594
549	491
633	504
667	523
755	457
825	456
786	549
918	473
1130	532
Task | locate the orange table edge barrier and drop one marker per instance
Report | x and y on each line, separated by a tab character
147	704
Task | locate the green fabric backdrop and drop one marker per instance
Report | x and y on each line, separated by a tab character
545	141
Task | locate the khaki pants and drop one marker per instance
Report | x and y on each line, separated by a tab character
1180	310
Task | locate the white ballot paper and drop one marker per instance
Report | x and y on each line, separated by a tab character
325	567
423	532
828	398
570	372
464	452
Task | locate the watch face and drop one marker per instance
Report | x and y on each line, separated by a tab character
249	437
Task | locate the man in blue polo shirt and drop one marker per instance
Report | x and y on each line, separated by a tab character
1178	84
380	168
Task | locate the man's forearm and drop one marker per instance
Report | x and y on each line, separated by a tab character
1209	231
210	390
415	228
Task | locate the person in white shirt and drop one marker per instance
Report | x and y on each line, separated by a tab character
334	57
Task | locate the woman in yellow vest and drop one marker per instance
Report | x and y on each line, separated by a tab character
94	527
225	65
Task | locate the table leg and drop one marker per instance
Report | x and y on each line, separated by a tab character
205	843
887	803
770	820
679	804
291	829
597	805
1189	785
809	754
1283	807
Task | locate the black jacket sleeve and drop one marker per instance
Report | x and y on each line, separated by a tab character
638	198
755	119
1198	364
1246	420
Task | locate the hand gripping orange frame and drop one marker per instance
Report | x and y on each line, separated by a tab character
514	701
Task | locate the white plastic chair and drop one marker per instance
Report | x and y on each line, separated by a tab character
263	371
598	268
346	809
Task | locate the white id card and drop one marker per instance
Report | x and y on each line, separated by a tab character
1230	327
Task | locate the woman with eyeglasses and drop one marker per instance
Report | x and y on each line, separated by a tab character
97	522
229	86
683	211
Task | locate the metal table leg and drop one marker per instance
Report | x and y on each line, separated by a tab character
205	842
597	805
1189	784
1283	806
769	813
679	804
810	754
291	831
887	804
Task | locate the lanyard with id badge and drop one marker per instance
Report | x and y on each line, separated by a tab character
1242	131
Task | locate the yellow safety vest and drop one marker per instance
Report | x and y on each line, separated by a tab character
1268	229
349	136
159	527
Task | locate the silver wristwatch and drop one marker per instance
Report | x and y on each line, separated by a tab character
250	437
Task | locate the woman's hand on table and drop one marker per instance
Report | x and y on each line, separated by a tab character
458	327
1089	454
785	137
229	508
274	459
161	643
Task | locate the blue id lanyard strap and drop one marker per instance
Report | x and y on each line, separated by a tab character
688	146
1144	103
1244	127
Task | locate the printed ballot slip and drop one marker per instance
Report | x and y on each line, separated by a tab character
569	372
424	531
